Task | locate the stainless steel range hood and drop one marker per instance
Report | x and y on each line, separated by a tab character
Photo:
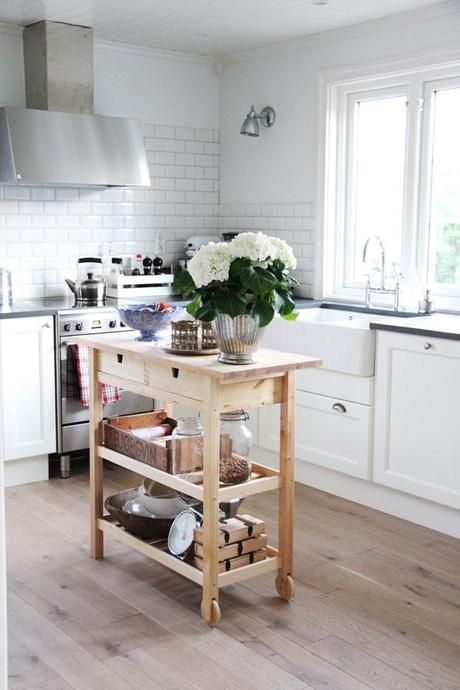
45	147
57	140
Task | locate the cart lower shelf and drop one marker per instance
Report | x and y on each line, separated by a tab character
158	554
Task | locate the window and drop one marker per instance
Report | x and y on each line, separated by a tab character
393	170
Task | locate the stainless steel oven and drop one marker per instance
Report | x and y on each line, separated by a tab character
72	418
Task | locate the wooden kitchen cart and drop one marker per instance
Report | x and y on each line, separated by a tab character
203	384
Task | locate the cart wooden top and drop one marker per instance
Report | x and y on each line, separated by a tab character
269	361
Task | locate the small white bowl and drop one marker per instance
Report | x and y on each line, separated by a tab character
162	506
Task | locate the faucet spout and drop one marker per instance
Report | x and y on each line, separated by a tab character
375	238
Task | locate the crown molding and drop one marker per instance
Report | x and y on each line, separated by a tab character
347	32
429	60
156	53
10	29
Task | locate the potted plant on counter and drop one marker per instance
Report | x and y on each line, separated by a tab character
239	286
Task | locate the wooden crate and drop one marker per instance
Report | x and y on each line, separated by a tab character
172	454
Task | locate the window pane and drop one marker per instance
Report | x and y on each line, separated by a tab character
378	174
445	190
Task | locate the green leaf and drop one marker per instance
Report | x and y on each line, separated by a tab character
238	266
183	284
262	313
230	303
287	303
194	305
292	316
258	279
207	312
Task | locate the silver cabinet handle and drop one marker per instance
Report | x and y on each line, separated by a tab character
338	407
427	346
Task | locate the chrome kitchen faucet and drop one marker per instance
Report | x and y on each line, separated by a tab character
381	290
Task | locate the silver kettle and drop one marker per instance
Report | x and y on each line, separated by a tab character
89	288
88	293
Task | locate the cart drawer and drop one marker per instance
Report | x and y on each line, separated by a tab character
175	380
126	366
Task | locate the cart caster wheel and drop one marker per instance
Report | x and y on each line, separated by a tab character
212	616
285	587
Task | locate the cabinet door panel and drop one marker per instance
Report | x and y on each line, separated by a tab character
28	388
331	433
417	430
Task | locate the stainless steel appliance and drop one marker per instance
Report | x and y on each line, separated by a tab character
72	418
57	139
90	287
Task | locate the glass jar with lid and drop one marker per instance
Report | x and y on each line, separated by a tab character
234	424
188	426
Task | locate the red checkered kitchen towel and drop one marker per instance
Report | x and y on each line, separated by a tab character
77	379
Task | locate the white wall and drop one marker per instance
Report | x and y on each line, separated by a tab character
281	165
131	82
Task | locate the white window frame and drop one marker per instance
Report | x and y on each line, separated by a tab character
415	79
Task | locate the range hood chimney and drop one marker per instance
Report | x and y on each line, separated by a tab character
57	140
58	64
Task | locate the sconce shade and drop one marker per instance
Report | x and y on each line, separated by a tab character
250	126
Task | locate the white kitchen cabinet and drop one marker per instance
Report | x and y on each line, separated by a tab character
27	367
330	432
417	416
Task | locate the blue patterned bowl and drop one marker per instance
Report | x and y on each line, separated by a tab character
148	319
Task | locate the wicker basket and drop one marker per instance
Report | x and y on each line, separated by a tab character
192	335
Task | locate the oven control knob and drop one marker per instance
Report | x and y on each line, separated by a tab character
67	327
112	324
79	326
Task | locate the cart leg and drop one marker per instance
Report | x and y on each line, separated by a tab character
284	581
210	609
96	468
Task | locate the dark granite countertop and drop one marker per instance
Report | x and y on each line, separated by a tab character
20	309
445	326
433	325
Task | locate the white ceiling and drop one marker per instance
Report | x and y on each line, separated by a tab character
208	27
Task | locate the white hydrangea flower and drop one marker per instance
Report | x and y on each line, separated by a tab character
211	262
251	245
282	251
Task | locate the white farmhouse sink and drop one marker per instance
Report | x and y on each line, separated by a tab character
341	339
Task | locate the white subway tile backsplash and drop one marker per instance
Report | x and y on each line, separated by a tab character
66	194
18	221
187	133
16	192
43	230
165	132
292	222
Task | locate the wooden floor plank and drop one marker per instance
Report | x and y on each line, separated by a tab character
377	604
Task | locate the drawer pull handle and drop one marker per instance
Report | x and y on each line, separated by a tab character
338	407
175	372
427	346
120	359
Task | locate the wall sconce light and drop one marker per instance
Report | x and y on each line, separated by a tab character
250	126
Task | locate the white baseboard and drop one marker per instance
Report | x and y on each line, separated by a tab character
398	503
26	470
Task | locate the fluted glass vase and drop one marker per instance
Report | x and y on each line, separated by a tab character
238	338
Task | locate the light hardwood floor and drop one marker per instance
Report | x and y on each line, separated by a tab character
377	604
